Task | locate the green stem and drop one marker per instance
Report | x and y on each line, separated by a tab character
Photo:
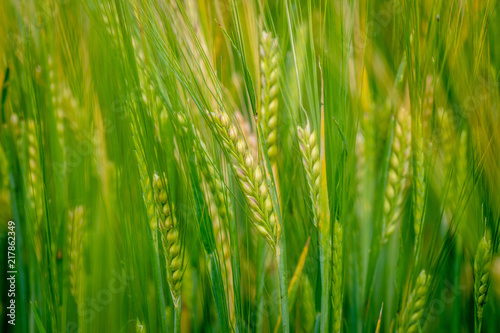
235	264
325	279
283	276
259	297
160	300
177	317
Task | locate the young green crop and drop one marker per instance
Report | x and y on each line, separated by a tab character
250	166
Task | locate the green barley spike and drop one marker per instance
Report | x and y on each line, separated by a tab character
147	192
250	177
482	264
269	84
170	237
412	320
397	177
310	159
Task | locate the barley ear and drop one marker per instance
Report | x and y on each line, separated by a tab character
147	192
397	177
269	84
337	294
250	178
482	264
310	159
170	237
413	312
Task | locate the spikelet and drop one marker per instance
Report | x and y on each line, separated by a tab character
76	240
147	192
269	84
250	178
413	312
310	160
482	264
337	294
170	237
397	177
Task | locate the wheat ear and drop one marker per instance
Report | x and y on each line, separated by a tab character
250	178
269	83
482	264
310	160
170	237
397	177
414	310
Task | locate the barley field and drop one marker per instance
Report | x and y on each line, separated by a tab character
249	166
